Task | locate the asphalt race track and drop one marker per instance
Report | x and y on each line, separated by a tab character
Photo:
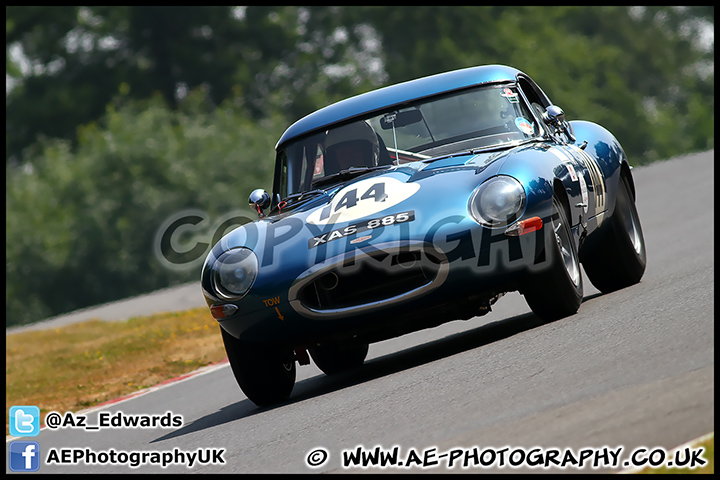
634	368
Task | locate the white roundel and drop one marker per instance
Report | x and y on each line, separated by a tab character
361	199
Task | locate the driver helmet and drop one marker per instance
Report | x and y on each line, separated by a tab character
352	145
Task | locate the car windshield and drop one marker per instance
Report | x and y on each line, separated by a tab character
481	118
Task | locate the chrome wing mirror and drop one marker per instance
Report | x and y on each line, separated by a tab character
259	200
555	117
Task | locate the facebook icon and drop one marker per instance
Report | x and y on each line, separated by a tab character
24	456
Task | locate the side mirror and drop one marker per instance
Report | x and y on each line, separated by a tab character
555	116
260	200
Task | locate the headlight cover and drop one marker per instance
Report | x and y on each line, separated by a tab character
234	272
497	202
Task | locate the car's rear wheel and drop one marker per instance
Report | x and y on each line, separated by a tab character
335	359
557	292
266	376
619	260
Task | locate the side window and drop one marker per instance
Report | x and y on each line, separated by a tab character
535	99
281	175
538	109
310	164
297	166
532	97
319	169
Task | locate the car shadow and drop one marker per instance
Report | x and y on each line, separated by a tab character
372	369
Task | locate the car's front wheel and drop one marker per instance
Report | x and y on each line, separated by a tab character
266	376
557	292
619	261
335	359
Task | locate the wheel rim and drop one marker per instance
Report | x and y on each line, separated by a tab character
567	253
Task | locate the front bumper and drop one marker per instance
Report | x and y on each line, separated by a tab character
389	289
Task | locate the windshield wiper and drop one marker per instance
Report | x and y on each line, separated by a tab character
301	195
298	197
346	174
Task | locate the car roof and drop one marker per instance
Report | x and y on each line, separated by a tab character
396	95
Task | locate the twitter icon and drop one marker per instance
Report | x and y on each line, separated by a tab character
24	421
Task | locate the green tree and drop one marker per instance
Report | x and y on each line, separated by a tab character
268	58
81	223
638	71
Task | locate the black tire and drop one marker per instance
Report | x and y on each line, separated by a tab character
265	376
557	292
619	260
333	359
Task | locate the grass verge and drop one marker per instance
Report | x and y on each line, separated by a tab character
82	365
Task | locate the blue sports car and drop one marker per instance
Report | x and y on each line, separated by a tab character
413	205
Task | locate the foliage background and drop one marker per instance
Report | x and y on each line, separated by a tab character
119	117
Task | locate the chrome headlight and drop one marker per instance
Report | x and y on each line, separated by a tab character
234	272
497	202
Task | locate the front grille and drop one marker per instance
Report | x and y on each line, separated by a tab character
369	281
